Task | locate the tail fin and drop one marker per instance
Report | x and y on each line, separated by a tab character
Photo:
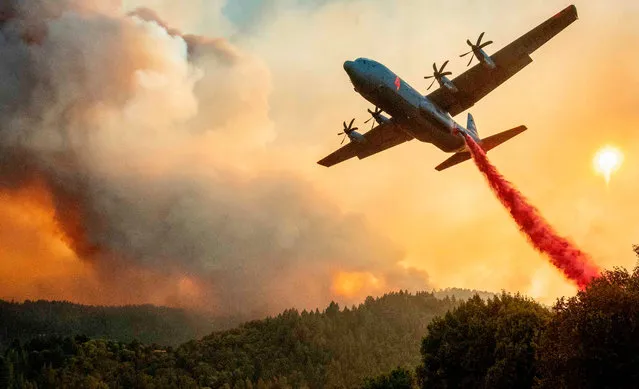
470	125
487	144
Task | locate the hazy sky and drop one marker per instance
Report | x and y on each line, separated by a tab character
579	94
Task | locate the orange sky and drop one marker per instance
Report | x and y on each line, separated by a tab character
579	94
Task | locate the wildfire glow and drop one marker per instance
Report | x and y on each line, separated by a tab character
349	284
607	160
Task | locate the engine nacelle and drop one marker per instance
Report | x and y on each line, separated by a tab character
381	119
486	60
355	136
448	84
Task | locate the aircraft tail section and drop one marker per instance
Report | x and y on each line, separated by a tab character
454	160
470	125
495	140
487	144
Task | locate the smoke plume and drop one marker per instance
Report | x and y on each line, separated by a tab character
138	145
575	264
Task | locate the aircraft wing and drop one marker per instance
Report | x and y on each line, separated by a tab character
479	80
378	139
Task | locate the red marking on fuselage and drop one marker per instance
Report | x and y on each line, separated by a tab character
398	82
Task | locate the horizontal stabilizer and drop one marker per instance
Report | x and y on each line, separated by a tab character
488	143
495	140
454	160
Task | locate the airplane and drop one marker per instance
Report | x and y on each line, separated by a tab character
429	118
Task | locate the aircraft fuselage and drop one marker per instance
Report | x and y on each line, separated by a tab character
412	111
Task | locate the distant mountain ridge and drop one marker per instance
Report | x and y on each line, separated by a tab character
462	294
146	323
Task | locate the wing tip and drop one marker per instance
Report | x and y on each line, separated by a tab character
569	10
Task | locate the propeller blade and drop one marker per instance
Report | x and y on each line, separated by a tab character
471	59
373	114
340	134
485	44
469	43
351	123
431	85
344	125
427	77
353	129
465	54
343	139
479	40
446	74
443	66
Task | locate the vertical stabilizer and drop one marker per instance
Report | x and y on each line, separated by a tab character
470	125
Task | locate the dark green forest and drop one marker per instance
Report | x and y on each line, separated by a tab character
400	340
146	323
335	348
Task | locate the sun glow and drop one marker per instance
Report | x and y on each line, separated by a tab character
607	160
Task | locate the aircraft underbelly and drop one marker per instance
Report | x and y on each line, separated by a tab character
425	129
436	134
449	143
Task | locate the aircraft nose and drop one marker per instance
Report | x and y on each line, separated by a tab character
348	66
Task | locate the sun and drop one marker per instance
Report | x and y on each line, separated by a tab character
607	160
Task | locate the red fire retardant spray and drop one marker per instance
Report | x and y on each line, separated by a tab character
574	263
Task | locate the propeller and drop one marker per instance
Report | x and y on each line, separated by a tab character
475	47
437	74
374	115
347	130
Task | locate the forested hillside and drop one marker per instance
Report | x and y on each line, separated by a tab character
335	348
148	324
590	340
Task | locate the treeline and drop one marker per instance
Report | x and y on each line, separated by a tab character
461	293
146	323
590	340
399	341
335	348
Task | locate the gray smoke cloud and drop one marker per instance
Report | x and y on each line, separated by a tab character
152	146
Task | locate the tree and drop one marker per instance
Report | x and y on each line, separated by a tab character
4	373
483	344
399	378
593	339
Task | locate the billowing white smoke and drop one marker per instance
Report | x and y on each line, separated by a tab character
143	137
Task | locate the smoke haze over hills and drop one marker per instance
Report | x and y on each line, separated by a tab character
176	157
129	138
